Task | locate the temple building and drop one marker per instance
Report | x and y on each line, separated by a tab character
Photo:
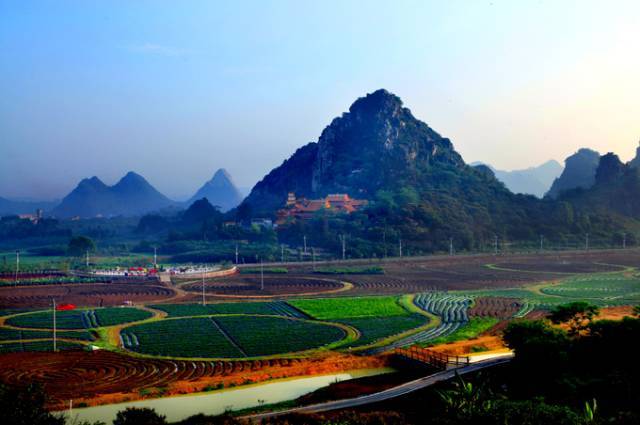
304	209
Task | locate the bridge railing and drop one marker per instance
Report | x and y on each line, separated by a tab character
433	358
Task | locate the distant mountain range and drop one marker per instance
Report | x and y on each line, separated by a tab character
220	191
131	196
531	181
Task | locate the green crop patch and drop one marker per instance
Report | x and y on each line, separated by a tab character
196	337
265	336
228	336
350	270
79	319
343	308
7	334
373	329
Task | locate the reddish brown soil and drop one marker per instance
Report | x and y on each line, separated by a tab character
106	377
82	294
615	313
501	308
482	343
250	285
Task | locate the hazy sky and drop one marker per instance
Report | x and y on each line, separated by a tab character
176	89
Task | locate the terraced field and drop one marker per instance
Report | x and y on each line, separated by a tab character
264	308
228	336
79	319
251	286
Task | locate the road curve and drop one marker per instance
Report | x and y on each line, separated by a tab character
390	393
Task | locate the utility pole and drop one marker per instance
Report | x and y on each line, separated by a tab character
304	242
55	345
344	247
155	257
282	253
541	243
261	276
236	253
586	242
203	299
313	258
87	259
624	241
17	265
450	246
384	242
400	247
495	244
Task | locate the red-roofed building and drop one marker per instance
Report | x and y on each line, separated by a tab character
304	209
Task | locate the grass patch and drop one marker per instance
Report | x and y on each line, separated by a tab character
475	327
345	308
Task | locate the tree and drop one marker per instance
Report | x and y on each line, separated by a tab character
636	310
79	245
139	416
578	315
26	407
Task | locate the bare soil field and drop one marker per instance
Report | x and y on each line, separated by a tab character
85	294
250	285
442	273
500	308
107	377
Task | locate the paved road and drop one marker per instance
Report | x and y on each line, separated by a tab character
386	394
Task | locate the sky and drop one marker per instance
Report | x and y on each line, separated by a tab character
177	89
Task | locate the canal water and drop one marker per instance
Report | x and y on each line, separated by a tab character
176	408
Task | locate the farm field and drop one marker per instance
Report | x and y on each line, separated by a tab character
228	336
342	308
373	329
82	294
79	319
8	334
13	347
247	285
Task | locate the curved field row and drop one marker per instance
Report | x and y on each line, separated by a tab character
78	374
79	319
228	336
374	329
451	308
98	294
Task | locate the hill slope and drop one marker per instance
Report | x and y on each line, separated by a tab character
579	172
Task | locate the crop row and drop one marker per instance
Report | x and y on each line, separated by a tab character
451	308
